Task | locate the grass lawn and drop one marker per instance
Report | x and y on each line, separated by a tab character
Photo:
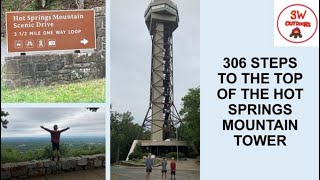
92	91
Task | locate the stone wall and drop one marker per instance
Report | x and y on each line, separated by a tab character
3	24
50	69
45	167
35	70
100	29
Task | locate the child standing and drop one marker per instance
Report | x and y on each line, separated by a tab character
173	168
55	140
164	168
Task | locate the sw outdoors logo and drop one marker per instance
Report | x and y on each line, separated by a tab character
297	25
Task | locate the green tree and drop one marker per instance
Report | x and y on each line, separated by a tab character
123	132
190	112
92	109
4	122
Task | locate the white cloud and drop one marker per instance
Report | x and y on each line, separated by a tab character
26	122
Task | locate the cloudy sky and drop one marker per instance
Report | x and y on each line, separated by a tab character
26	122
131	54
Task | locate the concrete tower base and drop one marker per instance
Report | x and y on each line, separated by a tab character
159	148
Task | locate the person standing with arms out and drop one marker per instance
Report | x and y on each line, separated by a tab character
149	164
55	140
164	168
173	168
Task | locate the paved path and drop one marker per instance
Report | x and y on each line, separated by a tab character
96	174
186	170
130	173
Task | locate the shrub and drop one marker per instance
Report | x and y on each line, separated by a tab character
136	155
193	155
174	154
47	153
14	155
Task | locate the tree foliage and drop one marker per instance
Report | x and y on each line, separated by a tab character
123	132
137	154
92	109
4	122
9	155
190	112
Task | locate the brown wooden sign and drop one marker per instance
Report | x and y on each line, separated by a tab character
50	30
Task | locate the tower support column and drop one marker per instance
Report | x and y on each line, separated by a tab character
157	82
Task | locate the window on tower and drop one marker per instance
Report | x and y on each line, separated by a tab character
158	6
